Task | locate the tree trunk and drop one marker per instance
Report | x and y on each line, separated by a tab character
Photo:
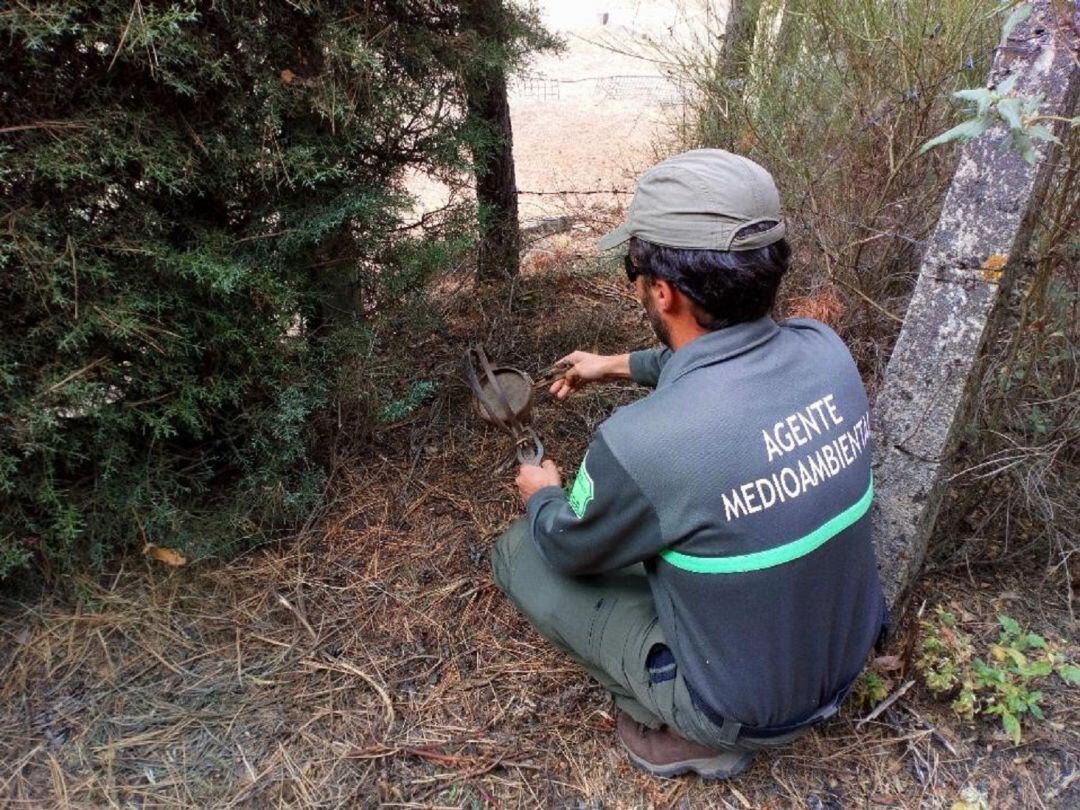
739	30
496	184
768	34
771	33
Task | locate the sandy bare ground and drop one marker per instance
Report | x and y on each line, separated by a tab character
592	116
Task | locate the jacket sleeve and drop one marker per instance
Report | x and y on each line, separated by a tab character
606	522
646	365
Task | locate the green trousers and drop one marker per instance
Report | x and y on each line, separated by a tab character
608	624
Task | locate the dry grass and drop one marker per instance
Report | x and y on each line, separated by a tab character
372	661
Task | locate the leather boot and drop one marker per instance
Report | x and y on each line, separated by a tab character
664	753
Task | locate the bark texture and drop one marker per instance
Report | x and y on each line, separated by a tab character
739	31
496	183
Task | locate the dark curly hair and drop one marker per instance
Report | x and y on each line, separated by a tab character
727	287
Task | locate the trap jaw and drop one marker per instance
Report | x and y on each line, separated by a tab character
504	398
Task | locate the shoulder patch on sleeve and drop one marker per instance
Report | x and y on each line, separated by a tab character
582	492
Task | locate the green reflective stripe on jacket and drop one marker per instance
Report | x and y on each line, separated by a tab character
583	492
774	556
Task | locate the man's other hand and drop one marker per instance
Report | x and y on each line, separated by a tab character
586	368
531	478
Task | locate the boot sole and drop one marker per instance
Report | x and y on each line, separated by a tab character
710	769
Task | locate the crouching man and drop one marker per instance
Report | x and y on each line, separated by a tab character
712	565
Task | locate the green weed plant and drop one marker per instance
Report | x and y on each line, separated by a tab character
1019	113
1003	682
870	689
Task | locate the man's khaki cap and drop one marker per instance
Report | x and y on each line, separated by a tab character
700	200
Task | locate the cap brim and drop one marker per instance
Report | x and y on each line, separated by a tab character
614	238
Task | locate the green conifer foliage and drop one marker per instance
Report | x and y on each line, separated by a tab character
200	204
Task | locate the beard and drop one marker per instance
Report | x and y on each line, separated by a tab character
663	334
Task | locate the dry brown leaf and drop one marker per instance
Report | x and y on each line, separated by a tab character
887	663
166	555
287	77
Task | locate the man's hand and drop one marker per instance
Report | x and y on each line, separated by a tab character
586	368
531	478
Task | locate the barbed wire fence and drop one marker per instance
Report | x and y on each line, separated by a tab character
658	89
667	95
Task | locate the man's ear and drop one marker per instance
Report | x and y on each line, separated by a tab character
664	294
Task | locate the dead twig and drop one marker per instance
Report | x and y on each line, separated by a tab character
885	704
299	616
937	735
350	669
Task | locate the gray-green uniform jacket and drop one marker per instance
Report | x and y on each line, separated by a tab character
743	483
